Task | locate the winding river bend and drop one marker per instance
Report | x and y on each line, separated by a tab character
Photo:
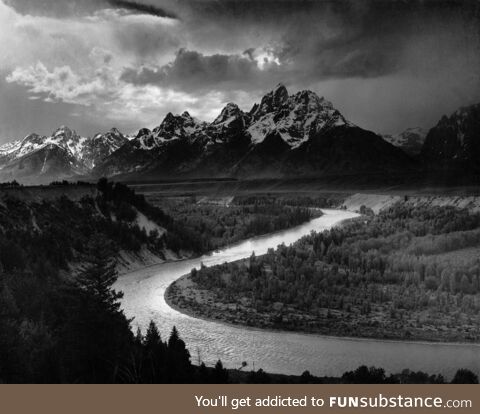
278	352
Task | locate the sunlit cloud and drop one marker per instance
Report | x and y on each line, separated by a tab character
131	62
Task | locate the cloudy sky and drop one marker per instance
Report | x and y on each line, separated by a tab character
94	64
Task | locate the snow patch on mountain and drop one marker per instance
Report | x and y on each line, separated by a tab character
296	118
9	148
80	153
411	140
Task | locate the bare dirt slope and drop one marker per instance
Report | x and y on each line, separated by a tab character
378	202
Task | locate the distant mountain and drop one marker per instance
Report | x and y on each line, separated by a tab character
284	135
455	141
302	134
411	140
98	148
64	154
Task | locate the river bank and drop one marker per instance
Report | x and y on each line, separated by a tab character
215	294
282	352
186	297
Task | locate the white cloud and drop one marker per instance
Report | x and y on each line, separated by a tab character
26	39
63	84
114	99
78	60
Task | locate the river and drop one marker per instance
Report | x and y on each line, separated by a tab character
278	352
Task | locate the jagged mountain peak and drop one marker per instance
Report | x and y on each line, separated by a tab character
169	118
461	114
65	132
271	102
115	131
465	111
113	137
64	152
311	99
411	140
301	133
142	132
33	138
9	147
99	147
231	123
231	110
454	142
171	128
295	118
62	128
280	92
173	121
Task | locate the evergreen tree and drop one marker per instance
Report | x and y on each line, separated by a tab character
97	337
465	376
152	338
155	358
99	274
220	374
178	362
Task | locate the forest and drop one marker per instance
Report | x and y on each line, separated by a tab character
57	326
46	236
406	273
218	222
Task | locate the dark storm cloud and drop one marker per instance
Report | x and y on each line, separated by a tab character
373	38
385	64
142	8
80	7
318	40
191	69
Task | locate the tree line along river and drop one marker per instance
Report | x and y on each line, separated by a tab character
276	351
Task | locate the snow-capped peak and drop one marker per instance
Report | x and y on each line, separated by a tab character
172	127
65	131
9	147
143	132
272	101
411	140
100	147
295	118
229	113
175	126
186	115
81	150
115	131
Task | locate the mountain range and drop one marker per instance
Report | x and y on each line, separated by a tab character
299	135
411	140
64	154
455	141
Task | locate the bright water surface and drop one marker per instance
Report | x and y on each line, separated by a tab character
279	352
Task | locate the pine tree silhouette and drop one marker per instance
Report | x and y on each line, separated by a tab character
99	274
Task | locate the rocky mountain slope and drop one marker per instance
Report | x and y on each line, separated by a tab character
455	141
64	154
411	140
300	134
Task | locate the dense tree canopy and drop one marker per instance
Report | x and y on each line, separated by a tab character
405	273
